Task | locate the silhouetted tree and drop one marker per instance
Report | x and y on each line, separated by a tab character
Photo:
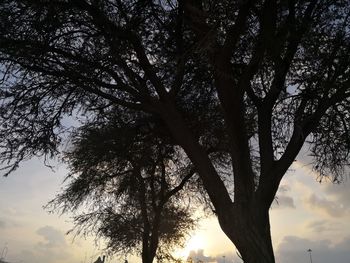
274	73
127	182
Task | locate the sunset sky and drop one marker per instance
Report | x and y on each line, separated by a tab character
308	215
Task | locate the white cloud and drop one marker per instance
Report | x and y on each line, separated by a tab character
198	255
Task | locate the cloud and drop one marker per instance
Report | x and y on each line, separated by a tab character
283	199
294	249
53	248
199	256
54	244
7	223
53	238
340	193
35	256
11	211
320	226
227	258
331	208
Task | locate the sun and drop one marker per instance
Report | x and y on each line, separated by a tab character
194	243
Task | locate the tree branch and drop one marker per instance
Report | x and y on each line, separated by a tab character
180	186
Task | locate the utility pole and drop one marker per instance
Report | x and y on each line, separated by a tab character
309	250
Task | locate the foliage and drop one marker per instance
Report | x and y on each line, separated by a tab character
125	186
255	80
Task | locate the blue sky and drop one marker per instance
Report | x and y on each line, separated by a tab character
308	215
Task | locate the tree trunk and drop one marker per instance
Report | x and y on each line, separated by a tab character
149	249
147	256
248	227
246	222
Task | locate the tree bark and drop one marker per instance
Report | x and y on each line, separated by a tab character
147	257
248	227
149	250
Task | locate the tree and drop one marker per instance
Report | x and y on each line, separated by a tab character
273	76
128	183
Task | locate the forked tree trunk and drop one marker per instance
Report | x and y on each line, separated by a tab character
246	223
248	227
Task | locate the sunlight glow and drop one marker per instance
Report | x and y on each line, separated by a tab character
195	243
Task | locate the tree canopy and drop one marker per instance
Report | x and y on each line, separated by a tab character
126	186
255	79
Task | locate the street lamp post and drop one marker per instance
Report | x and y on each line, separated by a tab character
309	250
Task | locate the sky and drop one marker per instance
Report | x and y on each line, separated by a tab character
307	215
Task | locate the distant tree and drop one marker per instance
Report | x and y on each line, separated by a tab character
263	77
124	188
